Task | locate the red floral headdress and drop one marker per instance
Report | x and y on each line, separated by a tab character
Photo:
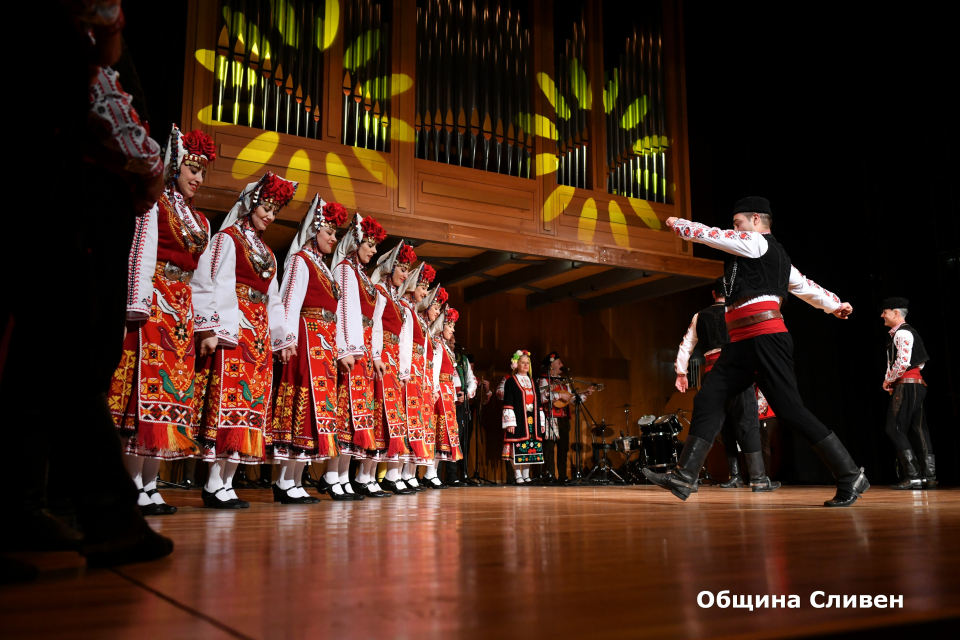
427	274
200	148
276	191
373	232
334	215
451	316
407	256
441	298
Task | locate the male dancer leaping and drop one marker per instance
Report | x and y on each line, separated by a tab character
756	282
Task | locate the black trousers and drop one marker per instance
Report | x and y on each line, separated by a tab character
463	431
741	424
906	420
555	451
766	360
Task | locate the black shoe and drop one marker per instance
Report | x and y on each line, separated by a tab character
736	480
759	481
188	483
369	491
150	509
851	480
166	509
312	499
682	481
343	496
434	483
419	488
929	472
909	470
211	500
456	482
391	486
281	496
143	545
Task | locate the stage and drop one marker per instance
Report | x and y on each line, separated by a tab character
513	562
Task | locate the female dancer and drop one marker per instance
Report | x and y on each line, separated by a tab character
392	350
523	419
355	311
151	393
305	410
418	390
238	308
446	382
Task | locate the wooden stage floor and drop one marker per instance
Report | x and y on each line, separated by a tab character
531	562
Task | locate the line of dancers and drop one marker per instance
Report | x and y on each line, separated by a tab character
367	371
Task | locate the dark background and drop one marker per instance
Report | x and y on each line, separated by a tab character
841	116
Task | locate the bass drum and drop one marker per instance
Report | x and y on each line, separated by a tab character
660	450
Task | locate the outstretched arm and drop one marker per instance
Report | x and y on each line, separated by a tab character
749	244
816	296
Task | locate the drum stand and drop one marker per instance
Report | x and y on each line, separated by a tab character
603	464
576	474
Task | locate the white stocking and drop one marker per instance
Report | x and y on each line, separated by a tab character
409	470
431	470
134	465
345	473
149	478
332	474
298	479
286	481
393	471
215	479
229	469
526	473
518	471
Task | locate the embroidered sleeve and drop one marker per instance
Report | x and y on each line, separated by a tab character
437	363
117	125
500	388
205	315
509	418
686	346
471	381
376	341
406	343
812	293
762	405
544	385
214	288
276	318
141	266
749	244
293	291
349	318
903	344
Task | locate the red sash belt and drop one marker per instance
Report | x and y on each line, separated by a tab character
774	325
911	374
711	359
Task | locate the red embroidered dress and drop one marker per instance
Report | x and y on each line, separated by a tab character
234	384
151	395
416	397
445	416
355	310
305	410
390	413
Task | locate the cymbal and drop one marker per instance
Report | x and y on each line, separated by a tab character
602	432
576	446
624	406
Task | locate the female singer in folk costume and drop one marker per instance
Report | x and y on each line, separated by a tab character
305	409
152	392
392	351
418	389
523	419
446	383
355	311
238	310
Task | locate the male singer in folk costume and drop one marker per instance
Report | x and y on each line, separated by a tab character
556	390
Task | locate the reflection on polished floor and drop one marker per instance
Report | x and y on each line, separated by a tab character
528	562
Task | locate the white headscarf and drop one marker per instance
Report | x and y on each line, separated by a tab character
385	264
411	282
249	200
424	304
173	155
307	230
350	242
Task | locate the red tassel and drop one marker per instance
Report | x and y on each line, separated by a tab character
363	438
240	439
419	449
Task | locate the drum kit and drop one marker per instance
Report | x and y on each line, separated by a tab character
656	448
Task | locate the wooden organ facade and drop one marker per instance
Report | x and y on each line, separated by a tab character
466	123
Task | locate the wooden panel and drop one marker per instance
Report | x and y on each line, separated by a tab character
570	276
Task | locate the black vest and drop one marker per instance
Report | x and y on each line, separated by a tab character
712	328
917	357
768	275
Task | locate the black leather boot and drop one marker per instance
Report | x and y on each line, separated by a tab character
909	471
851	480
682	481
929	472
758	473
736	480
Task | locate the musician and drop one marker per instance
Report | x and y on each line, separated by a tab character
906	420
740	417
757	281
556	396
